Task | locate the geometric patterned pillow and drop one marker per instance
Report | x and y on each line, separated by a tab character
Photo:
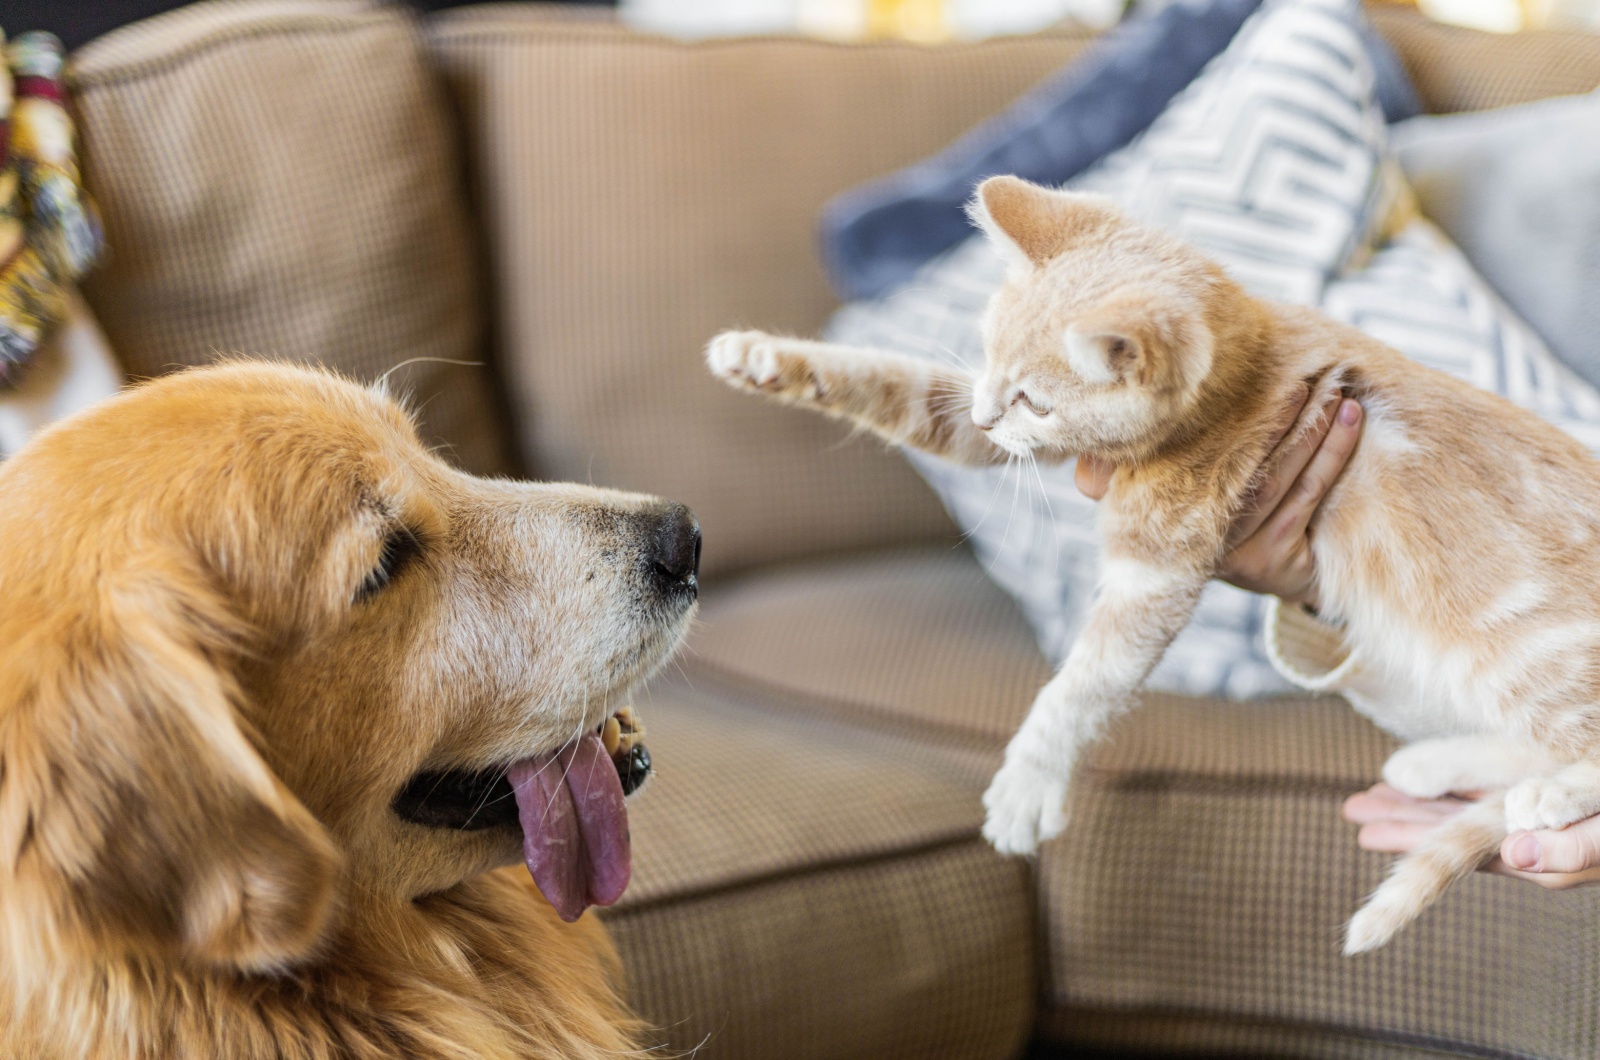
1273	162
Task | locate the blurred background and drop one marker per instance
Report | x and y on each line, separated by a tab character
923	20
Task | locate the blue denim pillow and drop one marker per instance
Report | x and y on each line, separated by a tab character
874	237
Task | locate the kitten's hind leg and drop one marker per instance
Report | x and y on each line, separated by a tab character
904	400
1453	850
1555	801
1459	765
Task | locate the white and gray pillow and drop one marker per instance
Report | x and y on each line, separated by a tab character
1518	189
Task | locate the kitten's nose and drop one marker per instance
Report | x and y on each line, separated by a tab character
984	418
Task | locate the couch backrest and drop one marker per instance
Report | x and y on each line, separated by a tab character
281	178
1458	69
641	194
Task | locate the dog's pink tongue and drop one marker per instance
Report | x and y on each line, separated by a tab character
574	826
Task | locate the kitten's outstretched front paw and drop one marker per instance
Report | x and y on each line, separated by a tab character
744	358
1026	805
754	360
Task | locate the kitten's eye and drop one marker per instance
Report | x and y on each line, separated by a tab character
1022	396
400	548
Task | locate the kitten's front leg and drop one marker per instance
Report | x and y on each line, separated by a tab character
1459	765
904	400
1139	609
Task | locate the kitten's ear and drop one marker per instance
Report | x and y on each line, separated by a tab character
1138	338
1100	356
1030	224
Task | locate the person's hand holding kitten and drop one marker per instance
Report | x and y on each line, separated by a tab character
1271	554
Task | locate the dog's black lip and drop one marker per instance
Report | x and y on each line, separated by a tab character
461	799
474	800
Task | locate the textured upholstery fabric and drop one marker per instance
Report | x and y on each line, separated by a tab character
641	194
1462	69
1164	1034
1198	899
851	637
1222	892
803	890
280	179
733	772
928	954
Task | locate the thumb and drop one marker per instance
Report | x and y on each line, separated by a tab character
1092	476
1571	849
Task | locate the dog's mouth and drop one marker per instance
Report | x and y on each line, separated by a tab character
567	803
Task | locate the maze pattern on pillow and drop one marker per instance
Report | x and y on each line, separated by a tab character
1274	162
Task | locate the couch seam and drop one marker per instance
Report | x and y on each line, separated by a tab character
1449	1046
948	841
946	735
863	715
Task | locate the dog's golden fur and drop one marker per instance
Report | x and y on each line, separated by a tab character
204	719
1458	547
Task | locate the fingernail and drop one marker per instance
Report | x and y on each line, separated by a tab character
1349	413
1525	852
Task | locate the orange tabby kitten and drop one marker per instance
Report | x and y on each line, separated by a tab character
1458	548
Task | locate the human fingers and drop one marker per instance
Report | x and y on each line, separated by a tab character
1382	803
1286	464
1575	848
1289	521
1393	837
1092	476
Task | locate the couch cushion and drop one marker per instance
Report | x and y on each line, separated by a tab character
920	643
642	194
1198	899
279	178
804	889
916	638
1208	876
1466	69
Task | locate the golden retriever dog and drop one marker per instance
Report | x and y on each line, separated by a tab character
266	665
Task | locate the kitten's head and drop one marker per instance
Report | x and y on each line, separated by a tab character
1101	336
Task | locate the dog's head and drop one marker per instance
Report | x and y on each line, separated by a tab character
261	653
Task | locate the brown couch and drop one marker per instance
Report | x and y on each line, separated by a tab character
582	207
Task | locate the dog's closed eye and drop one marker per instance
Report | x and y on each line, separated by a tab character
400	548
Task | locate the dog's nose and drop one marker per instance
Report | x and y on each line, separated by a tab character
674	549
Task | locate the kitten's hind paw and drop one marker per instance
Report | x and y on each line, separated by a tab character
1026	805
1552	802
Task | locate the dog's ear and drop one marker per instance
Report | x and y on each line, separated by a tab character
165	829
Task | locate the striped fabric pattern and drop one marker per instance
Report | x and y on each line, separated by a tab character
1273	162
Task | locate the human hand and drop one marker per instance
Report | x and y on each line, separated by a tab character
1269	550
1557	859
